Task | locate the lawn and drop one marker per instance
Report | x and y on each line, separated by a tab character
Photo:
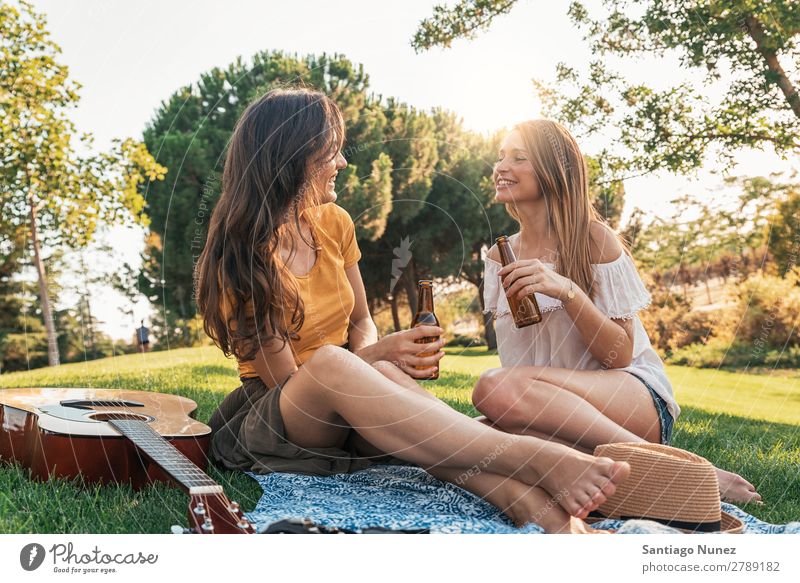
744	422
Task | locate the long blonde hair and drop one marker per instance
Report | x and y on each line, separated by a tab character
561	172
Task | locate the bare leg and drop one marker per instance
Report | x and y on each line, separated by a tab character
319	408
539	434
518	398
585	408
517	500
520	502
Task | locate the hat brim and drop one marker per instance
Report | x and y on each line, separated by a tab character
729	524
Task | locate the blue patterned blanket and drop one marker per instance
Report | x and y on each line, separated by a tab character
406	497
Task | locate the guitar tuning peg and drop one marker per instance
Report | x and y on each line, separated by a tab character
178	529
234	507
207	524
200	509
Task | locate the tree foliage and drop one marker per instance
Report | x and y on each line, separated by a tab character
55	196
746	49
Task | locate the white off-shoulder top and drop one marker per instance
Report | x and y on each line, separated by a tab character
557	342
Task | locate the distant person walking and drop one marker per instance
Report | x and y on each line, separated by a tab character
143	338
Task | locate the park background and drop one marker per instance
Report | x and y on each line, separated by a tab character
116	118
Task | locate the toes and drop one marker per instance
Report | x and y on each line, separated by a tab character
591	506
598	499
574	505
573	508
614	471
608	489
620	471
583	500
746	482
756	497
593	501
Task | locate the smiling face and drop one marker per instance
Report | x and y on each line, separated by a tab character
325	178
514	178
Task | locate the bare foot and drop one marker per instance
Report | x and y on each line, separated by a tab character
579	482
524	504
734	488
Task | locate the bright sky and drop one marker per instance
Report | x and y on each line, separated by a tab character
129	56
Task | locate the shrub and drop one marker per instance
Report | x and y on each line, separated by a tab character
759	328
767	312
671	324
467	341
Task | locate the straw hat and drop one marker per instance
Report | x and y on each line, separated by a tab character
669	485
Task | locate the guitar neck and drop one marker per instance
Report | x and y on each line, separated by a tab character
163	453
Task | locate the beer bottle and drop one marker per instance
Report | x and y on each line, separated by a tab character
425	316
525	311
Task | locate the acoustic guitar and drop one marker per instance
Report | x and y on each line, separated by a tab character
112	435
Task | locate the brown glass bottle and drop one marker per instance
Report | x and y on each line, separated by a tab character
525	311
425	316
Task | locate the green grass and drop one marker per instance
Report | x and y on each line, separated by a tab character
744	422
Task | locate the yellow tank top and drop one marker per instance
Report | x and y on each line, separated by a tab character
328	299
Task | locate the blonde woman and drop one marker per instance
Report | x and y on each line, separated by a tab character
587	374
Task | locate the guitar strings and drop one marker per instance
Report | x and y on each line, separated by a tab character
145	432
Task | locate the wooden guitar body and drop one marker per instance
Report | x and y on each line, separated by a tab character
53	447
119	436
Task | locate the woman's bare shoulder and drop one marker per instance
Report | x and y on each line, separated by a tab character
604	246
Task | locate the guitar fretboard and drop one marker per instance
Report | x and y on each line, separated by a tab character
166	455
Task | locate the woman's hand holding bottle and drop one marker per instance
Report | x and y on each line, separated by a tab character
401	349
525	276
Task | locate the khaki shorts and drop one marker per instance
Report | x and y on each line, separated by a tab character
248	434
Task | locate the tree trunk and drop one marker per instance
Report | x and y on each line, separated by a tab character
395	313
410	285
708	291
770	56
87	298
180	295
489	333
47	313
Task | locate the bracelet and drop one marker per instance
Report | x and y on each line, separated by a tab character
570	293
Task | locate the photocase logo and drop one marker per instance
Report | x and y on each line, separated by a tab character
402	255
31	556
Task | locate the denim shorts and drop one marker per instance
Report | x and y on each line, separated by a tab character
664	416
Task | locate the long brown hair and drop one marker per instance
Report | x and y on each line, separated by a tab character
244	290
561	172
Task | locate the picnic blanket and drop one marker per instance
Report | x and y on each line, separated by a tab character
407	497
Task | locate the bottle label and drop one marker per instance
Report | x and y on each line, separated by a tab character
524	309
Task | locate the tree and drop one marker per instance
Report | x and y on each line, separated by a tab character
461	221
410	142
57	196
747	48
608	196
11	303
784	237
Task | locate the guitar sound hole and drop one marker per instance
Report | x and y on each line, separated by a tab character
118	416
